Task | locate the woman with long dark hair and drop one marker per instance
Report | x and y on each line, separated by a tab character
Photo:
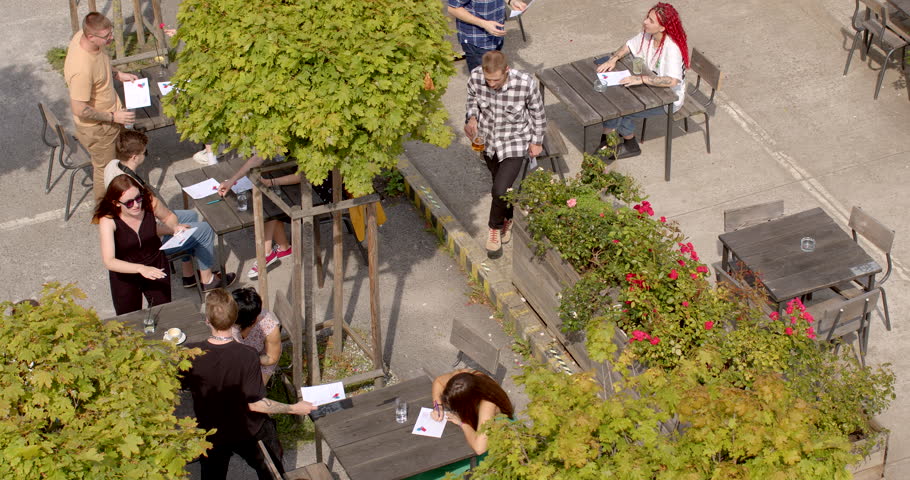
662	45
257	328
471	398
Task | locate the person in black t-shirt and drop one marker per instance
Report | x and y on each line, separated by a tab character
228	395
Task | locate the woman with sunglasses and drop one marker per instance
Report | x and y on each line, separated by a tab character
130	222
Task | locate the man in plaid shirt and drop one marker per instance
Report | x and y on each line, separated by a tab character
504	113
480	25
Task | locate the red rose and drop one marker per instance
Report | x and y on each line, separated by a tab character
673	275
709	325
788	331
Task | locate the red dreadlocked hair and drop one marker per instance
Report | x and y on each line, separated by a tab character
668	17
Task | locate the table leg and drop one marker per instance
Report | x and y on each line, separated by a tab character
668	142
221	253
724	259
186	201
318	439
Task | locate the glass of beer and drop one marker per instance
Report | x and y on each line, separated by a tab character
477	144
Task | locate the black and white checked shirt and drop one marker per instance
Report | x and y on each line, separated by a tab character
509	119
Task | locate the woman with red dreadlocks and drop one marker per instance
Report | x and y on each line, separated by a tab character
662	45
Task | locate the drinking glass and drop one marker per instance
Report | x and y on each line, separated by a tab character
401	411
600	86
807	244
477	144
243	201
638	64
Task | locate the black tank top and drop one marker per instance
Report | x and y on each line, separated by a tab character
142	248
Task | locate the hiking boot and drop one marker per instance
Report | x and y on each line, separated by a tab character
506	233
494	244
629	149
219	281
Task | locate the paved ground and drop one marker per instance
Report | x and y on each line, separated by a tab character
788	125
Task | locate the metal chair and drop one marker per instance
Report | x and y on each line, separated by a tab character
737	218
71	155
872	23
838	317
49	120
861	223
707	71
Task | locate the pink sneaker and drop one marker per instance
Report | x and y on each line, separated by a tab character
283	253
271	258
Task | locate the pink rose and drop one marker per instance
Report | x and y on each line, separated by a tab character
694	275
601	214
571	202
615	241
774	315
673	275
808	316
709	325
655	341
702	269
663	219
682	263
685	303
788	331
161	25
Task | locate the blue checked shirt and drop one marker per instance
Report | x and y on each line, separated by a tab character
486	9
509	119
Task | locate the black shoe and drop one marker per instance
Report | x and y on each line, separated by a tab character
189	282
629	149
220	281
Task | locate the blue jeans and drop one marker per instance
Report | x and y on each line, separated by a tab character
200	245
625	126
474	55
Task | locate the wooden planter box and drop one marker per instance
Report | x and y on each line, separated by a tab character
541	280
873	466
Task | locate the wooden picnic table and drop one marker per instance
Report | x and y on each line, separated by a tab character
223	215
184	314
371	445
573	84
772	251
153	117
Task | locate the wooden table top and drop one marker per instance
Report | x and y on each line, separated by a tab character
153	117
370	445
223	216
772	250
573	83
184	314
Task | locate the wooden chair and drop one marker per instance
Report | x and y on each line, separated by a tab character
737	218
861	223
71	155
554	149
872	23
838	317
707	71
316	471
474	346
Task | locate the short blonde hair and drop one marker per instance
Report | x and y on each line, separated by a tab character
220	309
95	22
494	61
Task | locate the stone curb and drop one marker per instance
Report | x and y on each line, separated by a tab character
473	259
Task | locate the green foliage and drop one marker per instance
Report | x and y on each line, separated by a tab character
332	83
56	56
394	183
82	398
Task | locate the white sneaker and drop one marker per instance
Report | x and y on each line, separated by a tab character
201	157
211	158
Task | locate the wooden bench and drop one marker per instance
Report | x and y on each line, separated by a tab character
554	149
473	345
315	471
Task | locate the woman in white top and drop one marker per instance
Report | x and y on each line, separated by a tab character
662	45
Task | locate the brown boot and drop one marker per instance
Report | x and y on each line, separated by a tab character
506	233
494	244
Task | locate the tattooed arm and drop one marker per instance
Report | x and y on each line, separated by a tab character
86	112
271	407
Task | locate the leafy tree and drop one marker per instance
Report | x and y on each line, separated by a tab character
81	398
333	83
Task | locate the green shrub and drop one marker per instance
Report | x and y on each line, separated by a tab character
82	398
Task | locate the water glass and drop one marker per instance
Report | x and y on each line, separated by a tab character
401	411
638	64
600	87
243	201
807	244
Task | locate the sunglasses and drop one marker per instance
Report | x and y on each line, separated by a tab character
132	203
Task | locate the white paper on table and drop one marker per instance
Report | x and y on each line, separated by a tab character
178	239
322	394
612	78
202	189
136	93
242	185
426	426
517	13
165	87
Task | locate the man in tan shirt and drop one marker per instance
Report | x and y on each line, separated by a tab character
97	111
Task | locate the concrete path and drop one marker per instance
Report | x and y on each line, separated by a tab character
788	125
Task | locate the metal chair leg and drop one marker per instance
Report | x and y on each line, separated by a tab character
521	26
708	132
885	310
644	126
686	124
850	55
69	195
881	74
50	169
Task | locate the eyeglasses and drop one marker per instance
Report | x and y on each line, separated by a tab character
109	35
132	203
